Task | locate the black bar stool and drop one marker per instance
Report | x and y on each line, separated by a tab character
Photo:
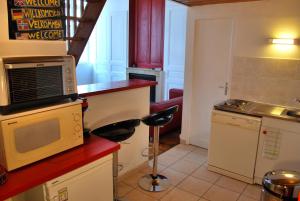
117	132
155	182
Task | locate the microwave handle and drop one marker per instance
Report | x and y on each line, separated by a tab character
32	65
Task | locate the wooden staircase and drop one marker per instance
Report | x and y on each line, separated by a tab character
81	17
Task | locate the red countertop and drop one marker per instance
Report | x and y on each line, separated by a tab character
35	174
109	87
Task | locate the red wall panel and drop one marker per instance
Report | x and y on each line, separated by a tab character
157	32
146	33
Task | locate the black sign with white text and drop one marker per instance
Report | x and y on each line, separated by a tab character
36	19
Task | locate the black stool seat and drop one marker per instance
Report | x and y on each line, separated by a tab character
160	118
119	131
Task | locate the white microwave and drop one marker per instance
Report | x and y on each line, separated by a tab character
34	135
32	81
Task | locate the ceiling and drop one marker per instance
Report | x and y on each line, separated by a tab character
206	2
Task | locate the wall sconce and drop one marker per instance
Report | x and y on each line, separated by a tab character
284	41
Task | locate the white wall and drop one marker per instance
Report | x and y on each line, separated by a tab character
253	24
25	47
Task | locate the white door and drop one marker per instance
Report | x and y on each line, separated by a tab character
118	44
212	53
174	45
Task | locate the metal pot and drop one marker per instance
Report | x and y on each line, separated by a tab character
281	185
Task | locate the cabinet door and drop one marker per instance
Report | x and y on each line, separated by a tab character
278	149
147	32
92	182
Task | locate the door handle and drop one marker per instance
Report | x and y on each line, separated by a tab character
225	88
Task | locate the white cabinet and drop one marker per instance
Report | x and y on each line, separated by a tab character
278	147
92	182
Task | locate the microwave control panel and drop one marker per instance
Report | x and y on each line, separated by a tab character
69	71
77	129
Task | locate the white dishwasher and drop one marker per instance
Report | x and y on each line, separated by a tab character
233	145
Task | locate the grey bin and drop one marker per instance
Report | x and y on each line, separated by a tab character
281	185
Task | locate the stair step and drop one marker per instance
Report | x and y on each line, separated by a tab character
78	39
94	1
86	21
86	25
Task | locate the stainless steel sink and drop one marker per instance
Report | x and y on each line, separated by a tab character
293	113
259	109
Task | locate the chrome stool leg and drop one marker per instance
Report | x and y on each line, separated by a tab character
154	182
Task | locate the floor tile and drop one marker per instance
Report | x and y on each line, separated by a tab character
231	184
185	166
123	189
253	191
196	157
204	174
137	195
179	195
132	179
167	160
178	153
185	147
174	176
245	198
216	193
202	151
146	168
195	186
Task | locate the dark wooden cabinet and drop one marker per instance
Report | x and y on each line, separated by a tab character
146	41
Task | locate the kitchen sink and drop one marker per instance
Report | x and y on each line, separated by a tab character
293	113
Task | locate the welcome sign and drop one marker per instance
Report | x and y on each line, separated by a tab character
36	19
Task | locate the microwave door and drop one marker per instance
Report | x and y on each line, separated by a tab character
36	136
27	83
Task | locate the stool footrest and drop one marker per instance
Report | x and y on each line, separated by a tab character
154	184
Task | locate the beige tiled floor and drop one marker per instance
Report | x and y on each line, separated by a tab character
186	168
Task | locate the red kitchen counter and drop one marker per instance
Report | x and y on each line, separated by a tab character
109	87
40	172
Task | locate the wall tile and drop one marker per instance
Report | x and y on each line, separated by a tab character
274	81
